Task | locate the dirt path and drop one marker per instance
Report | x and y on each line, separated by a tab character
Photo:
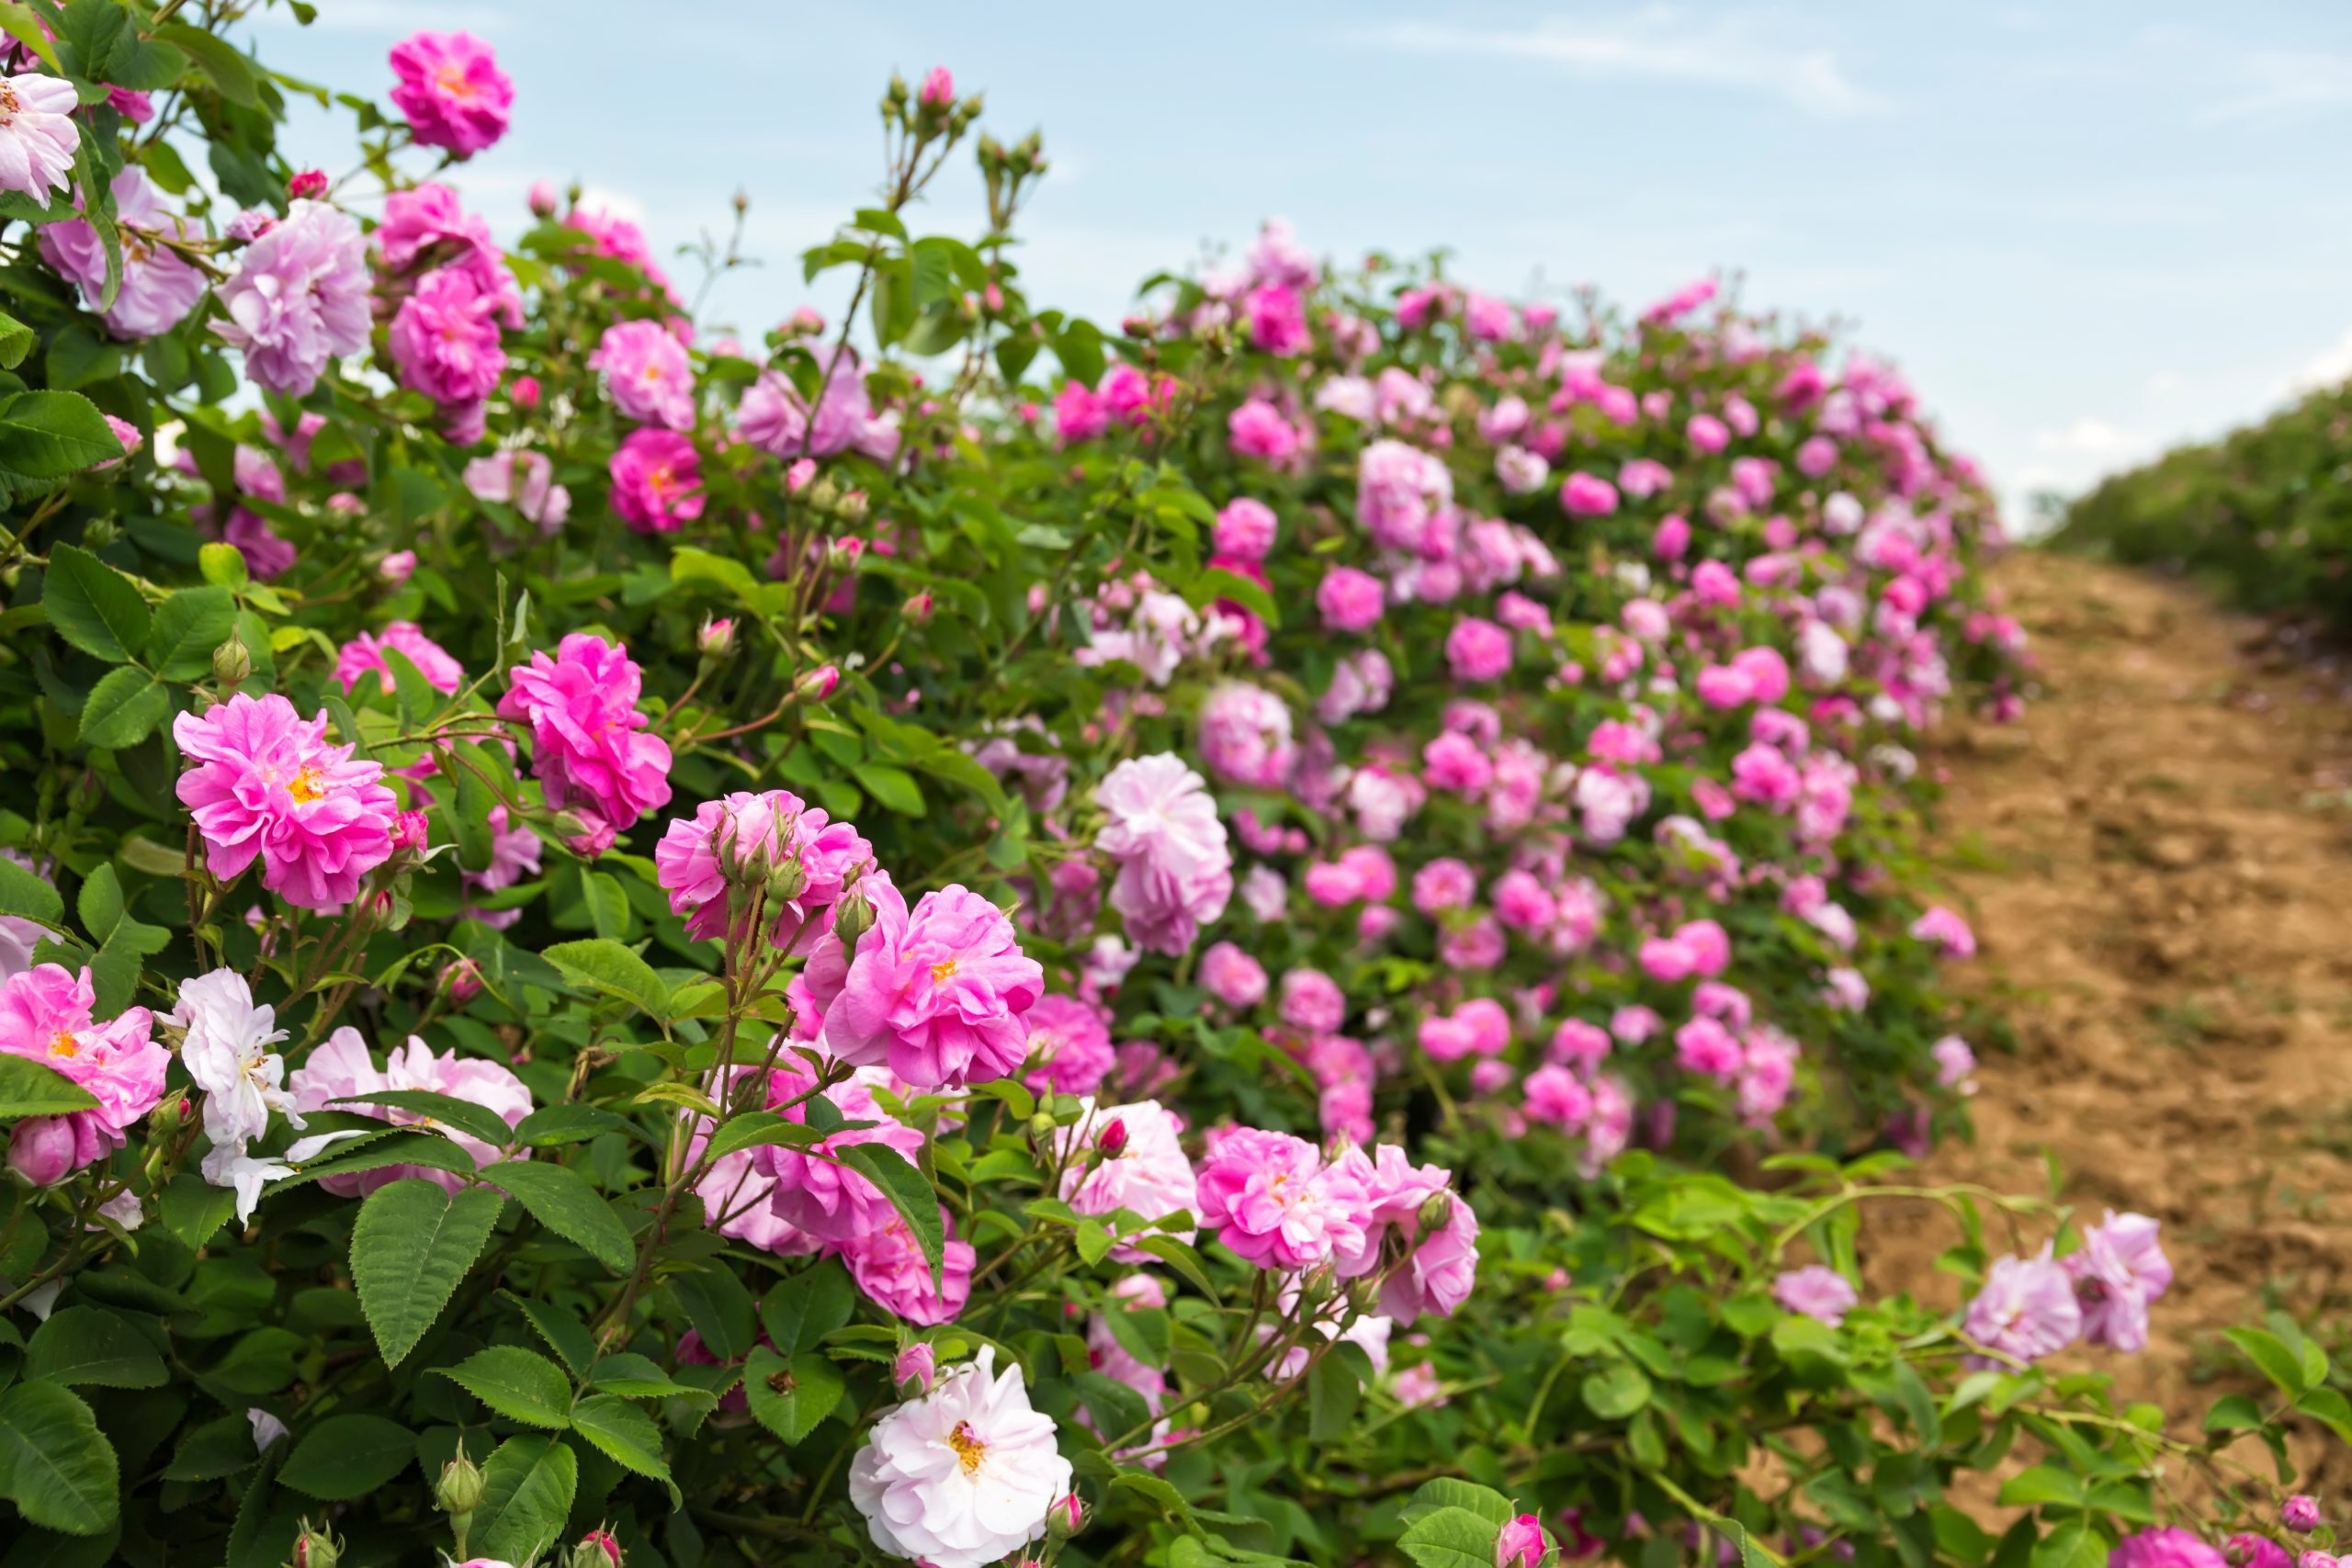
2160	865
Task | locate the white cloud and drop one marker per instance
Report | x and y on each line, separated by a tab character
2089	438
2275	83
1656	44
2327	367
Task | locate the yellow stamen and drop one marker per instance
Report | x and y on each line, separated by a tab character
64	1044
969	1450
309	784
943	972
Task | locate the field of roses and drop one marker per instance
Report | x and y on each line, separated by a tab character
2263	516
1291	930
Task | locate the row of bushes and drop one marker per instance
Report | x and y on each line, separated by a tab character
1305	939
2263	517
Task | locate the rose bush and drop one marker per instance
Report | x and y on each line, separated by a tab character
2258	516
1295	932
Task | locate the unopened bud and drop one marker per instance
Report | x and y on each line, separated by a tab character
1113	1138
597	1549
914	1370
543	198
938	89
571	825
853	916
1316	1288
1066	1517
232	661
459	1492
308	185
851	507
316	1547
717	638
409	830
463	980
1364	1295
824	494
742	204
918	608
818	684
1437	1212
169	1116
789	880
1041	1130
100	532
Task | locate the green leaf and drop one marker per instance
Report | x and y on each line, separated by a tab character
393	1146
34	1089
19	22
123	709
568	1204
802	1310
223	565
93	607
2326	1406
16	341
894	787
624	1435
99	904
91	1345
77	358
189	626
526	1490
2042	1483
755	1127
909	1194
49	435
2269	1355
475	1121
2072	1545
565	1334
215	1450
1448	1493
348	1456
791	1395
639	1377
23	893
1179	1255
411	1246
1617	1391
607	905
1333	1392
720	1309
2234	1412
1449	1537
230	72
260	1362
605	965
688	564
55	1464
550	1125
519	1384
1218	583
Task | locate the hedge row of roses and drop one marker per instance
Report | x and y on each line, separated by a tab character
2260	516
1302	939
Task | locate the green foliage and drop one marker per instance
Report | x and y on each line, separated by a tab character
932	634
2263	516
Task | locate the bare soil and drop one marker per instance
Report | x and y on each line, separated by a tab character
2158	863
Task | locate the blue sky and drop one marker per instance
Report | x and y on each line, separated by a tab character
2086	229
